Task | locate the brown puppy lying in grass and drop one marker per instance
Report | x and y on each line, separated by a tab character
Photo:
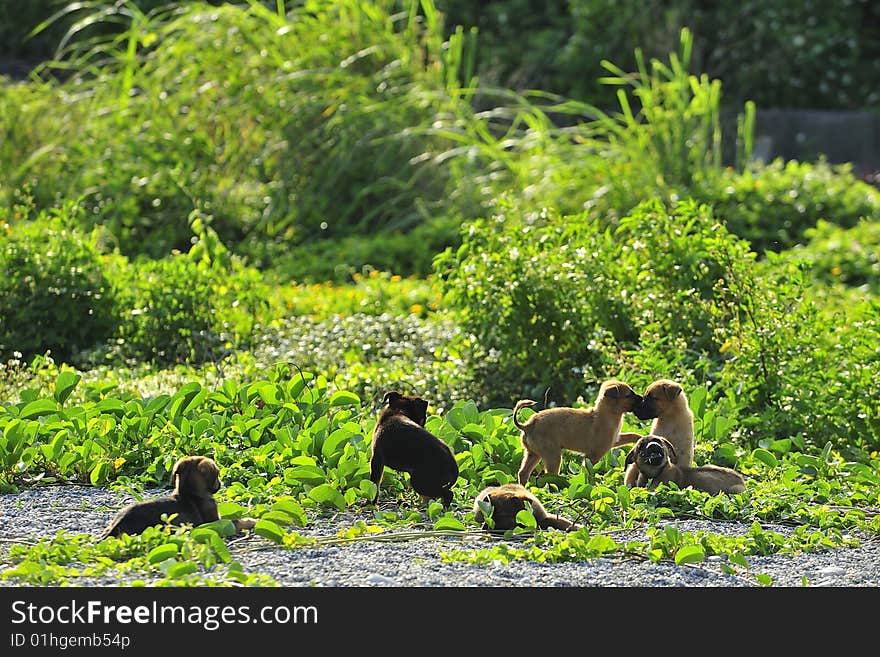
401	442
196	479
510	499
655	458
590	431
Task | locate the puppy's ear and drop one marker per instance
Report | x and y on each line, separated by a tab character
390	397
209	470
181	467
670	450
671	391
422	405
630	458
614	391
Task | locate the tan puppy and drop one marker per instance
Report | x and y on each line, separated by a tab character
666	402
510	499
590	431
196	479
655	458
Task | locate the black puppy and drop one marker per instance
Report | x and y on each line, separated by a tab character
196	479
401	442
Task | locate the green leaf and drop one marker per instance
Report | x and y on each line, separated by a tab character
292	508
162	552
527	519
38	408
739	560
449	523
223	527
98	475
278	517
826	452
269	530
344	398
64	385
307	474
763	579
327	494
230	510
181	569
690	554
110	405
765	457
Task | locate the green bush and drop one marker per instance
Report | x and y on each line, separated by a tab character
54	292
557	299
191	307
774	205
846	255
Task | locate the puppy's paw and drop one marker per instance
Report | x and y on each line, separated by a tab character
244	523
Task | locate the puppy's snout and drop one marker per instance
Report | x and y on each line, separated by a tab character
653	453
646	409
216	486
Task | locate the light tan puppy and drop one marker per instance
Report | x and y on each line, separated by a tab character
655	458
666	402
590	431
510	499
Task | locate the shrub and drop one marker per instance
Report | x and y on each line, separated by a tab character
190	307
846	255
557	299
54	293
774	205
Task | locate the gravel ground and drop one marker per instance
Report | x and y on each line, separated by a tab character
41	512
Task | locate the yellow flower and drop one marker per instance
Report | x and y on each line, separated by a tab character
836	271
395	279
416	308
724	347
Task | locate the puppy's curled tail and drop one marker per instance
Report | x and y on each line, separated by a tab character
522	403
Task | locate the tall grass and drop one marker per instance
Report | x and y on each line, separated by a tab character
285	127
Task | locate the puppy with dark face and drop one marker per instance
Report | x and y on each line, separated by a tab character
510	499
654	457
401	442
665	401
591	431
196	479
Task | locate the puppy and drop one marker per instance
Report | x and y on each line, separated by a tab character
655	458
666	402
401	442
196	479
510	499
590	431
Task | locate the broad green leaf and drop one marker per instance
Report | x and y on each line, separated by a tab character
269	530
327	494
333	443
344	398
99	473
230	510
473	431
765	457
763	579
601	544
697	399
448	523
527	519
307	474
826	452
64	385
162	552
690	554
110	405
278	517
739	560
181	569
223	527
38	408
293	509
